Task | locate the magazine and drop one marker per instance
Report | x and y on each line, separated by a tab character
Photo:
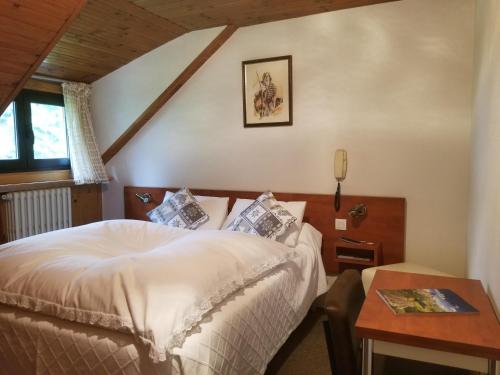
415	301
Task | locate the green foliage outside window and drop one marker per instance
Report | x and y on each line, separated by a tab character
33	133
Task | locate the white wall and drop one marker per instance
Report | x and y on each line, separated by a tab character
391	83
484	234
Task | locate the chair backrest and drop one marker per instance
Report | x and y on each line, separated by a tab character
343	304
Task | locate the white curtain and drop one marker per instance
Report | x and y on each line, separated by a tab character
86	161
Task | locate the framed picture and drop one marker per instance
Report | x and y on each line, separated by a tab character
267	92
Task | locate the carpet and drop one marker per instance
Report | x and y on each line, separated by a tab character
305	353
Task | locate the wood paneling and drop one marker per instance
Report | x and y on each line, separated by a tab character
28	31
86	204
471	334
194	14
384	221
110	33
168	93
106	35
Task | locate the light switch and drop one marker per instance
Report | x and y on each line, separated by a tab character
341	224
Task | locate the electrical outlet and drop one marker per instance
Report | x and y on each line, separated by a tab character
341	224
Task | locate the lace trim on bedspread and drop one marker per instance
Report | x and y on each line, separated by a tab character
179	335
73	314
122	324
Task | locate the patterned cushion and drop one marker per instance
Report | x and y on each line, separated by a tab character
265	217
181	210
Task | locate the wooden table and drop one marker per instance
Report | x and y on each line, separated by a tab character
476	335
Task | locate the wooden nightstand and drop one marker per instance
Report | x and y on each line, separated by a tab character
357	256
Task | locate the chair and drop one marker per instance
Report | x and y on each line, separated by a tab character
368	274
342	306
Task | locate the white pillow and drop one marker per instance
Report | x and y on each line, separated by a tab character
297	209
180	210
264	217
215	207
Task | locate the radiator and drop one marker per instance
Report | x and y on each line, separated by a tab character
26	213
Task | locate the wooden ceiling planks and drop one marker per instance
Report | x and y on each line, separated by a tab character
105	36
195	14
110	33
28	31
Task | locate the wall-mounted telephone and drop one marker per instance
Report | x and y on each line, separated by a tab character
340	171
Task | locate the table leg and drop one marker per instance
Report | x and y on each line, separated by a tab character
492	367
367	356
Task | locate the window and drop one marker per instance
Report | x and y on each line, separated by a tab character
33	133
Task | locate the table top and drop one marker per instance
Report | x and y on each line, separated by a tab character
475	334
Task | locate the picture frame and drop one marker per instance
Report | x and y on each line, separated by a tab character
267	92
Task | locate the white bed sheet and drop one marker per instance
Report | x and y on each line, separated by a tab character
239	337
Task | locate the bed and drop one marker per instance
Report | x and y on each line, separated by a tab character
238	335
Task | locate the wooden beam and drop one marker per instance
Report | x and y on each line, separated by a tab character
168	93
29	72
39	85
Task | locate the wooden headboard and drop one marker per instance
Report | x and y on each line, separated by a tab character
384	221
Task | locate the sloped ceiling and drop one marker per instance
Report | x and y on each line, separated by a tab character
106	35
196	14
110	33
28	31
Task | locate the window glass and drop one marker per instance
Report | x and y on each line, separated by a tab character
33	133
49	130
8	142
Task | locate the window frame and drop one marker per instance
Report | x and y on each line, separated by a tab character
25	136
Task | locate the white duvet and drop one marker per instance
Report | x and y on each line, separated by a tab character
150	280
